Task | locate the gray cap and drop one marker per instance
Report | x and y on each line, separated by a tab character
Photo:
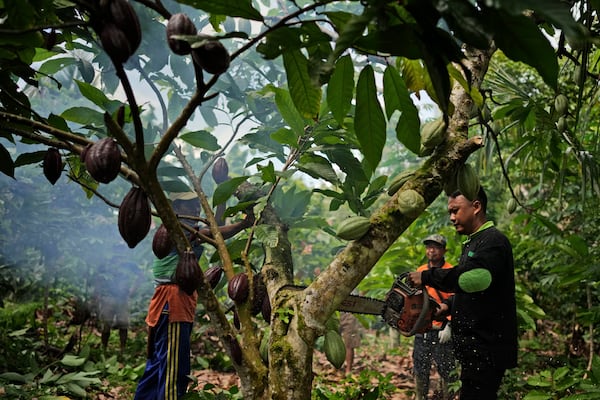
439	239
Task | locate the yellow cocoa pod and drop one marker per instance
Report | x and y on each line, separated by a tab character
433	133
467	181
561	104
334	348
511	205
353	228
411	203
399	180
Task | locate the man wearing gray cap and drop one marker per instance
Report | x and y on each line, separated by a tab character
434	345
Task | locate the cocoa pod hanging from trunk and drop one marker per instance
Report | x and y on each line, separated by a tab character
122	14
188	275
103	160
162	244
259	292
238	287
212	57
213	275
235	349
220	171
135	217
52	165
115	43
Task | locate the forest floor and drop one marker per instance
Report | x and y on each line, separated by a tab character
377	353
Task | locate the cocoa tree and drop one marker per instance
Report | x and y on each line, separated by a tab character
192	56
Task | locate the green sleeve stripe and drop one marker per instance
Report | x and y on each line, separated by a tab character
475	280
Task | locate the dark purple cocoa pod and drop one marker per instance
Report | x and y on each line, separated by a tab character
238	287
135	216
162	244
121	116
103	160
220	171
52	165
122	14
115	43
236	320
188	275
84	152
180	24
234	349
213	275
212	57
266	309
259	292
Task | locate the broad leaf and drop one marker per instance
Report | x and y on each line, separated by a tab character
97	97
226	189
397	97
202	139
369	121
7	166
232	8
318	167
305	95
341	88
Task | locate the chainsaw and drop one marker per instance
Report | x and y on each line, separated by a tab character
405	308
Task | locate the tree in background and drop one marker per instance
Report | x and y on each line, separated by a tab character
315	90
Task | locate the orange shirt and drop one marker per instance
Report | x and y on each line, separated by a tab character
182	307
437	295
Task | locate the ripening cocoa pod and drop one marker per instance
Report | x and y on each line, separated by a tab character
162	245
115	43
266	309
220	171
122	14
238	287
259	291
234	349
188	274
411	203
103	160
353	228
561	105
468	181
334	348
213	275
212	57
52	165
134	217
399	180
180	24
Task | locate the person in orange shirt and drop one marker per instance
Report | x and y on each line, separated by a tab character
434	345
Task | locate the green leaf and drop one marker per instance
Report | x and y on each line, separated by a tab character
84	116
97	97
267	173
7	166
397	97
226	189
341	88
14	377
351	30
369	121
289	112
305	95
318	167
285	136
232	8
54	65
202	139
521	40
72	361
267	235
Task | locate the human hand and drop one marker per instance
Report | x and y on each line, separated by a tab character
414	279
445	334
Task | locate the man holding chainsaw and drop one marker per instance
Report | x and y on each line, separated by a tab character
435	344
484	318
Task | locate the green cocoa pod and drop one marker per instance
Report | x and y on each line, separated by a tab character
399	180
561	124
264	347
353	228
433	133
411	203
468	181
511	205
561	104
450	184
334	348
52	165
